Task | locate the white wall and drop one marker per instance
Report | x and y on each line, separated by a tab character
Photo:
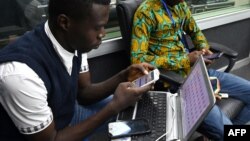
241	2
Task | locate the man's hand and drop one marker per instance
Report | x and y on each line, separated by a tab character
193	56
126	94
207	52
136	70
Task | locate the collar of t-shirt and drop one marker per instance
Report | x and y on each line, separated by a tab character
65	56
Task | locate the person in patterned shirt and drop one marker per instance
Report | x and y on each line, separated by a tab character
156	38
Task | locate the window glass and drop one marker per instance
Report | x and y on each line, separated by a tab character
208	8
200	8
19	16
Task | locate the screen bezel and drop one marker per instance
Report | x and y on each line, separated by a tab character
211	97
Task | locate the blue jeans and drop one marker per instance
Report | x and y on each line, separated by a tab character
236	87
83	112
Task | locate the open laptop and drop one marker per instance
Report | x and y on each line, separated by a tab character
175	116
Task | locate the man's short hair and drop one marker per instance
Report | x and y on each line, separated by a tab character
76	9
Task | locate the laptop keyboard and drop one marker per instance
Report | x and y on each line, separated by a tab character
152	107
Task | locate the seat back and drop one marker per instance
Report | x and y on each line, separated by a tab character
125	11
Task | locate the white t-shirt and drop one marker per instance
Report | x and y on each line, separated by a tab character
23	93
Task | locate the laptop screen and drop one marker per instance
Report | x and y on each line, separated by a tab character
196	97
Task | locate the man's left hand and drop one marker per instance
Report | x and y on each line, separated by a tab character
207	52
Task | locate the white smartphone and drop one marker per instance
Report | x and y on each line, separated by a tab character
128	128
147	79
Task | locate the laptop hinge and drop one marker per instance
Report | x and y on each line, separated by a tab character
172	114
179	117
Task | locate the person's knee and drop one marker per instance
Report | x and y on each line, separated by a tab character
212	131
216	116
213	124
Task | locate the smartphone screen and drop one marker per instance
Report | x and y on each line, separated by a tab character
213	56
147	79
127	128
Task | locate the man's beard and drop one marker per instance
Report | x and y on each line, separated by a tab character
172	2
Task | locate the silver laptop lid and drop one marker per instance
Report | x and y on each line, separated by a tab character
196	98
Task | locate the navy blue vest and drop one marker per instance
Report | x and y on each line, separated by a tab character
36	50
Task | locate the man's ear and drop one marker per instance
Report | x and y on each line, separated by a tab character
63	21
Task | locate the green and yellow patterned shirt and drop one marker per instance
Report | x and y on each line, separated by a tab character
155	39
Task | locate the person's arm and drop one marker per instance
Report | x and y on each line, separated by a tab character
192	29
124	96
89	92
92	92
25	101
142	30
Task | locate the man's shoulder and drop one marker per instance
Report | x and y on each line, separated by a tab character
150	5
15	68
149	8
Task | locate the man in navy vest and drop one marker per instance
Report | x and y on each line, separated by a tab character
44	72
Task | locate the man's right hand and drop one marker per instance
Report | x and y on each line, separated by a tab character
126	95
194	55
